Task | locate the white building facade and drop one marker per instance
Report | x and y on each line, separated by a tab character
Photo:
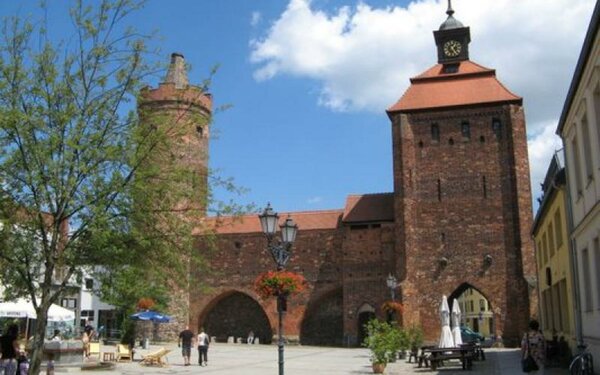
579	128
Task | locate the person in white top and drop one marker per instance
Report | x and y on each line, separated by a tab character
203	341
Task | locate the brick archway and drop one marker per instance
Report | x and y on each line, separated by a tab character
323	320
475	314
235	314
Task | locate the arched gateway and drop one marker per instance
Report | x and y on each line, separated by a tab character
235	314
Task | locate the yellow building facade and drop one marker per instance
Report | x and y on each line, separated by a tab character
476	312
550	234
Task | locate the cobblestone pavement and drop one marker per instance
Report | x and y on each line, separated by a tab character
232	359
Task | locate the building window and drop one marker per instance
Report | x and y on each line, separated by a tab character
597	267
87	314
472	306
545	247
551	240
577	166
587	279
435	132
597	111
89	284
587	149
69	303
558	229
481	305
439	190
465	130
484	184
497	128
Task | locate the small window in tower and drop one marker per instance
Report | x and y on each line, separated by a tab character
484	184
420	144
450	68
497	128
435	132
481	139
465	129
439	190
200	130
451	141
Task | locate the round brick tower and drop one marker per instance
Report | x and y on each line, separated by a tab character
183	112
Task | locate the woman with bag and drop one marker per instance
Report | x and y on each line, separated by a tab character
533	349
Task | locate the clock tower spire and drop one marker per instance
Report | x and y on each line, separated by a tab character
452	40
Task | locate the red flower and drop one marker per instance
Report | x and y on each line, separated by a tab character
392	306
145	303
274	283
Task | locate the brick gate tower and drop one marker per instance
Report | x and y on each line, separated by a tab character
182	112
461	190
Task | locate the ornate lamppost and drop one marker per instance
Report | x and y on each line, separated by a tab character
280	251
392	283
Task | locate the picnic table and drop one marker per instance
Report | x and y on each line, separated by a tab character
437	356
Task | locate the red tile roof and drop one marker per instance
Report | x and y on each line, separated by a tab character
250	224
369	208
472	84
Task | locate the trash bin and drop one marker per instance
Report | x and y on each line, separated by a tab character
146	343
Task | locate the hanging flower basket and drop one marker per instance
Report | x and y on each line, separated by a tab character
276	283
392	307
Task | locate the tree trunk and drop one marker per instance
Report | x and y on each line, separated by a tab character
37	354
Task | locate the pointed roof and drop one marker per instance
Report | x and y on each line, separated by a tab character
177	72
369	208
471	84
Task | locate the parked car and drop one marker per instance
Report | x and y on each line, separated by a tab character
468	335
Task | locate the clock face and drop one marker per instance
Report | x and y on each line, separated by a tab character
452	48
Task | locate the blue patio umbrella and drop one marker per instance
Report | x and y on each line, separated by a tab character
152	316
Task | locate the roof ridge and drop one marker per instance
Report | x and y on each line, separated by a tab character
370	194
306	212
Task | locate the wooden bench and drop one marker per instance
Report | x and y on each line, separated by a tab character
439	355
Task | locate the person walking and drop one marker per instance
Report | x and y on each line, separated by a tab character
203	341
534	345
10	348
185	342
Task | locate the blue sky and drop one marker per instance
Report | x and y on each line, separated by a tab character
309	81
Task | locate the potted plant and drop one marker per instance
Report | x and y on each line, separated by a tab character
415	340
382	340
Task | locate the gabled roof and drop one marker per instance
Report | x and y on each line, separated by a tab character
369	208
471	84
307	220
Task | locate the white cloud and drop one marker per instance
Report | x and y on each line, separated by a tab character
362	56
255	18
314	200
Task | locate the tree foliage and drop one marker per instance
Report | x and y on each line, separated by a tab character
77	186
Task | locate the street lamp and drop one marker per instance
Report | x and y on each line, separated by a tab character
392	283
280	251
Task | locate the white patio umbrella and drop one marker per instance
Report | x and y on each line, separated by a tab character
446	339
456	323
23	308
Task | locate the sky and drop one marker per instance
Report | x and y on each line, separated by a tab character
309	81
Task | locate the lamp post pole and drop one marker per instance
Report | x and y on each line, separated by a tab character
280	251
392	283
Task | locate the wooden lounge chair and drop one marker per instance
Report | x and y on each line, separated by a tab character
95	349
157	358
124	353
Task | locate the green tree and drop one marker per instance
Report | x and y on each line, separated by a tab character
78	187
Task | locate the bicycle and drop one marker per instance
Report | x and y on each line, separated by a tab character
583	363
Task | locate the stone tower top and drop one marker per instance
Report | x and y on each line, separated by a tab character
177	73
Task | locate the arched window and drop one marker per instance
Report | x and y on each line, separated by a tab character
465	129
435	132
